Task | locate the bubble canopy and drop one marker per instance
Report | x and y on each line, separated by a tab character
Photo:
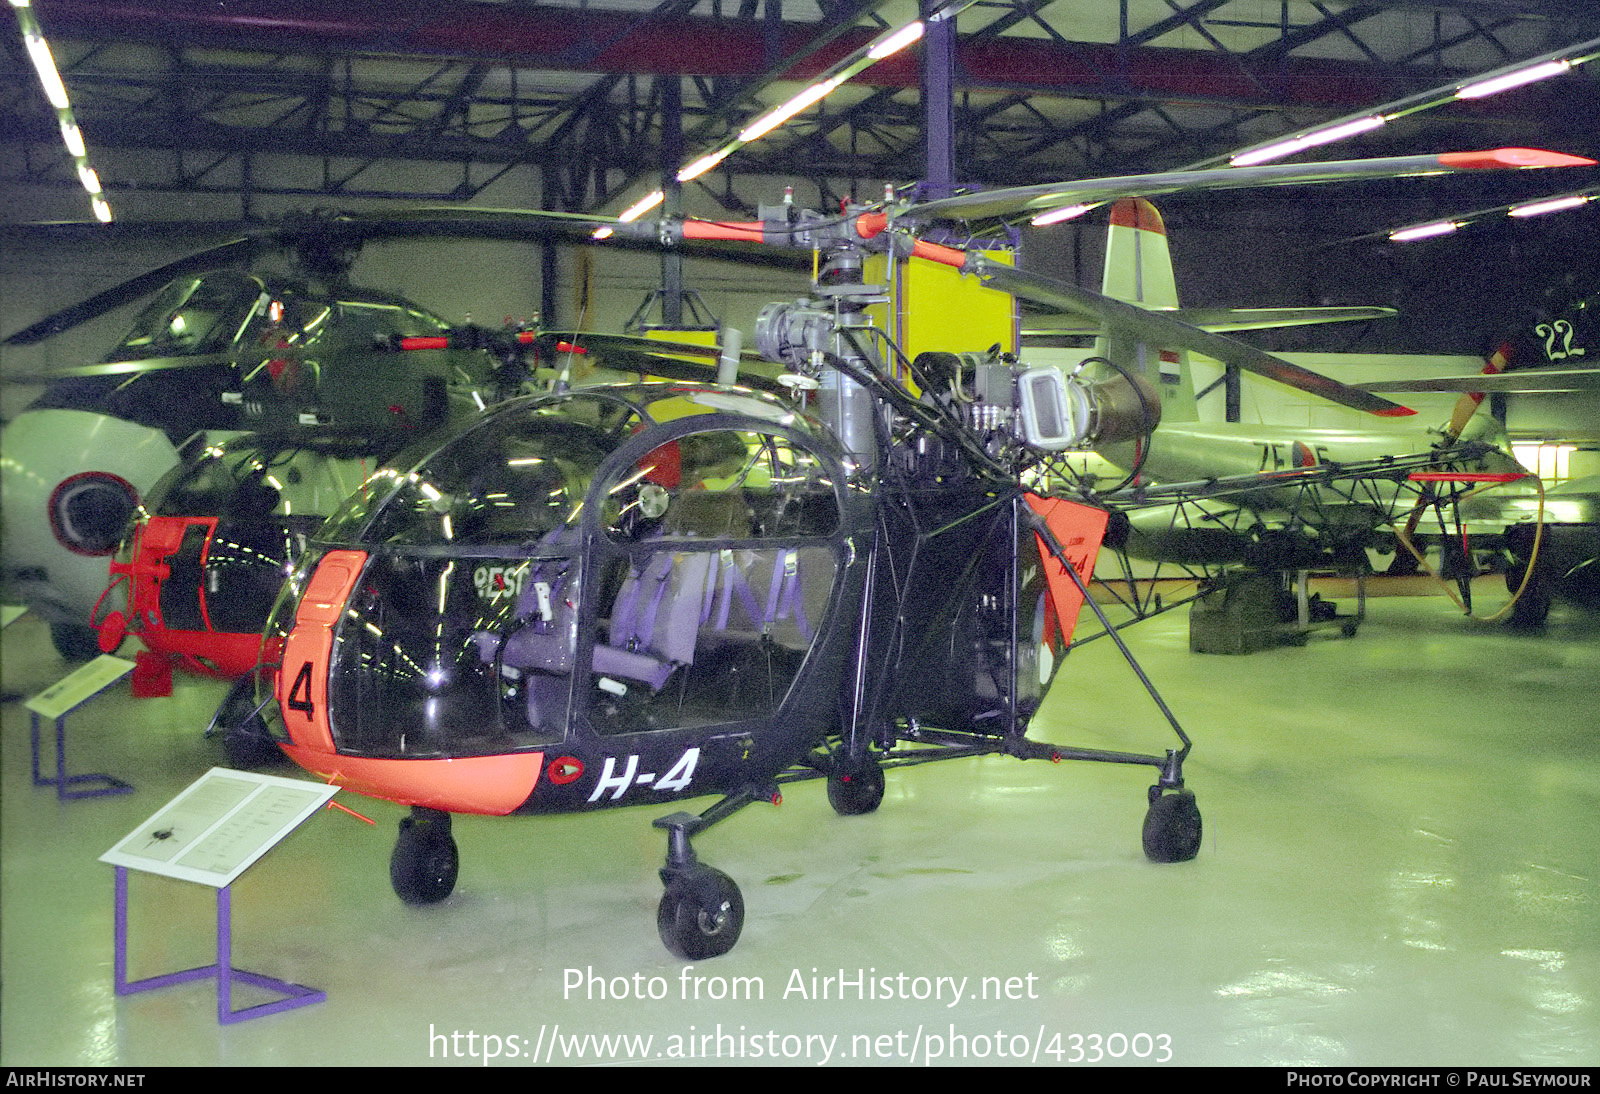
616	560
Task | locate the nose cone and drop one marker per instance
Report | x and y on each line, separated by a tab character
60	483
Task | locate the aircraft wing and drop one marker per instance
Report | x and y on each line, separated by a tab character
1525	381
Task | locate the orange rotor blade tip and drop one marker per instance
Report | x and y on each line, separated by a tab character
1396	411
1513	157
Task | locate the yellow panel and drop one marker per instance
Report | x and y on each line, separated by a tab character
935	307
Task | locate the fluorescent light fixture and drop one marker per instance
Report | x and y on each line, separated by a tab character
1291	145
90	180
1550	205
643	206
74	138
1056	216
632	212
54	89
102	211
1496	84
706	163
1423	231
897	41
778	115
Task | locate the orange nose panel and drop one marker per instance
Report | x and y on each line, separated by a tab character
303	679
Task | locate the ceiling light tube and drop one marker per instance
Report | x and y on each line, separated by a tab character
90	180
778	115
1550	205
102	211
642	206
1496	84
54	89
705	163
1316	137
1056	216
897	41
73	136
1423	231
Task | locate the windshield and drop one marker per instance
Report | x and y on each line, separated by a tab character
192	316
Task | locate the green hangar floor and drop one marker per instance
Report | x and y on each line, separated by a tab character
1399	867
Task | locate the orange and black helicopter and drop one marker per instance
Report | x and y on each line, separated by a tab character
646	593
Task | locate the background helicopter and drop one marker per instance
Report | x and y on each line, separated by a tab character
288	354
618	596
216	351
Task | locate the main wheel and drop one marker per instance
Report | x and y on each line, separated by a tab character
701	914
424	864
1172	828
856	789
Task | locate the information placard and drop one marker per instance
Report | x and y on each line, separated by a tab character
216	828
73	690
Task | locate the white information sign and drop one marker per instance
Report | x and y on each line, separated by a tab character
219	826
77	688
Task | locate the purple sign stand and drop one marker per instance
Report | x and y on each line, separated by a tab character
295	995
62	781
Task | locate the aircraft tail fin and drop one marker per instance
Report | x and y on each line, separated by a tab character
1138	270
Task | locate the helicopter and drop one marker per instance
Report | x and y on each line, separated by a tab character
287	354
613	596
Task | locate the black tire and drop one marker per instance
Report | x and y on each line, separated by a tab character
424	864
75	642
701	914
856	790
1172	828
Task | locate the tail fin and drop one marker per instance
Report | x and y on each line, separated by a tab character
1139	271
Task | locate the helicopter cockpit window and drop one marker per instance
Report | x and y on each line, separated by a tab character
192	316
517	481
464	623
723	483
727	573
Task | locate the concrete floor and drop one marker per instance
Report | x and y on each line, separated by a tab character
1399	867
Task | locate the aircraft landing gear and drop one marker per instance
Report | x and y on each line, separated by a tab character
423	867
1171	826
702	910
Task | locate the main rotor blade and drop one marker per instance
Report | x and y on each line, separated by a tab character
1225	319
657	357
235	250
1525	381
1157	328
1037	199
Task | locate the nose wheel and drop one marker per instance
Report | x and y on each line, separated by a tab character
423	867
701	913
702	910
